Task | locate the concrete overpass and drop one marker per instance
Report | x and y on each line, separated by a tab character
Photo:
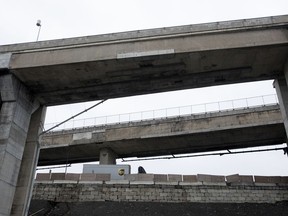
34	75
241	128
148	61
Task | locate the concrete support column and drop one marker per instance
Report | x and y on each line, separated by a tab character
17	107
107	156
30	157
281	86
282	93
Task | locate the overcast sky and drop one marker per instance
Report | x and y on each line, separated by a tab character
71	18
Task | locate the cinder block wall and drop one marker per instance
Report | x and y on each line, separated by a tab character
167	188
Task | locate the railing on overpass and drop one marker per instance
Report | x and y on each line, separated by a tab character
243	103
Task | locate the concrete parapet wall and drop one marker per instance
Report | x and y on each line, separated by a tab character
202	178
150	191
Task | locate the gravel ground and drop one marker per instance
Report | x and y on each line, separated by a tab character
153	209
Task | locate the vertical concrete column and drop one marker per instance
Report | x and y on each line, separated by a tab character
16	109
30	157
107	156
282	93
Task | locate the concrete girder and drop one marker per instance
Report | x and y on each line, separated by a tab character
150	61
197	133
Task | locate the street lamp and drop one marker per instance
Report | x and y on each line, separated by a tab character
39	25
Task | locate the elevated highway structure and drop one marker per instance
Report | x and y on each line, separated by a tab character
39	74
241	128
149	61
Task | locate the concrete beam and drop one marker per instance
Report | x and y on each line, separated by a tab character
5	61
197	133
150	61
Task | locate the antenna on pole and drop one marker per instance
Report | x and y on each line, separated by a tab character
39	25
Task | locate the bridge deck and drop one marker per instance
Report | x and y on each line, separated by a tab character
149	61
194	133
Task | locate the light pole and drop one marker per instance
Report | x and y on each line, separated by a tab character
39	25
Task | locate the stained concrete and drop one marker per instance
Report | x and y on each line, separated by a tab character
132	63
17	106
150	61
29	161
187	134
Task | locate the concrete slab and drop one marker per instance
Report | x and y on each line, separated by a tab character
57	176
43	177
88	177
65	182
190	183
103	177
91	182
189	178
210	178
214	183
160	178
174	178
141	182
284	179
267	179
232	44
128	139
117	182
72	176
167	183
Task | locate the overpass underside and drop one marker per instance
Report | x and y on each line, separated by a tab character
187	134
149	61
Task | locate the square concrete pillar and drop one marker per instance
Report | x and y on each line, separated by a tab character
17	105
28	166
281	86
107	156
282	93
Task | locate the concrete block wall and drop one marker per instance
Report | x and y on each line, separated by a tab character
73	177
161	188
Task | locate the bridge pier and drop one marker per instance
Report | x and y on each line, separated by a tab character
107	156
18	155
281	86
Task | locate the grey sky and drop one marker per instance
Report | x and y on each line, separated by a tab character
71	18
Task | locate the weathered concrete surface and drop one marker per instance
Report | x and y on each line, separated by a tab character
197	133
148	61
28	166
281	86
17	106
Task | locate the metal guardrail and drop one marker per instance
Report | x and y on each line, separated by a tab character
169	112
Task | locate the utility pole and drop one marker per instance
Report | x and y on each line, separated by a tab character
39	25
